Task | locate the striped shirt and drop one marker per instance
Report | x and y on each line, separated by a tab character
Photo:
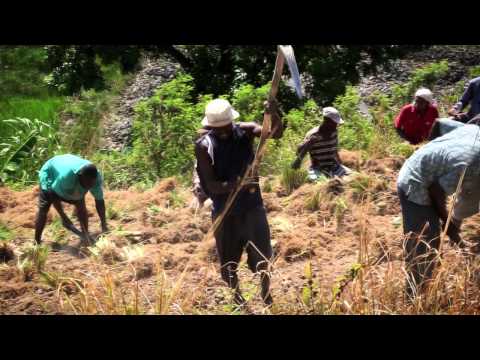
322	149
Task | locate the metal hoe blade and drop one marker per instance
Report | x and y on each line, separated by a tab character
289	55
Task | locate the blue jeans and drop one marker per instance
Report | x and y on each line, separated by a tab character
316	174
420	255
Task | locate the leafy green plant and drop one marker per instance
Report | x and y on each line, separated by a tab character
423	77
344	280
248	101
120	170
474	71
112	212
357	132
5	233
307	290
154	210
341	207
46	109
175	200
165	127
23	152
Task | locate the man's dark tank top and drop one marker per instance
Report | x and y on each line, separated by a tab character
231	159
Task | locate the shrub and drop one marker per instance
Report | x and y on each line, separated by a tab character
248	101
84	112
119	169
23	152
474	71
423	77
165	128
357	132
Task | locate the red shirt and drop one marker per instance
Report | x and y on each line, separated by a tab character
416	127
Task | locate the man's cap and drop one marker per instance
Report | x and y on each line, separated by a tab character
425	94
333	114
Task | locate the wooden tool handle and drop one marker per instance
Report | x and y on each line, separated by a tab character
277	75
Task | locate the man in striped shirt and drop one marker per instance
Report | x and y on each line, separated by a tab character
322	144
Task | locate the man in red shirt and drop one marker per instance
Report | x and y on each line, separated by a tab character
416	120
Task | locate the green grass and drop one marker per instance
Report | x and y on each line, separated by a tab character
44	109
5	233
293	179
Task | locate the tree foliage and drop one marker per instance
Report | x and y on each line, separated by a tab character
219	69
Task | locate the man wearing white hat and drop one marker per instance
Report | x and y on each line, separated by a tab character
322	144
223	155
415	121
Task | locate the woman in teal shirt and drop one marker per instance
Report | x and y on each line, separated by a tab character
68	178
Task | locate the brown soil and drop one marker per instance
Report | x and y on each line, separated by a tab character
327	236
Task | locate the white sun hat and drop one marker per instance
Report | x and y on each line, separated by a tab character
425	94
333	114
219	113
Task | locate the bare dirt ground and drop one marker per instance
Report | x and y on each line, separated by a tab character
156	258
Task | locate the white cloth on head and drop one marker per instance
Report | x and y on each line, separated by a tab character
425	94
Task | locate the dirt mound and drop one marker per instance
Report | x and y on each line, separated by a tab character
157	241
351	159
19	208
7	199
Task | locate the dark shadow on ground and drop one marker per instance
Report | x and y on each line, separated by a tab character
79	250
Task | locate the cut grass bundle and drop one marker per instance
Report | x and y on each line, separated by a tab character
292	179
33	257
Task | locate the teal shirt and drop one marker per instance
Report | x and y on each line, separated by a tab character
60	175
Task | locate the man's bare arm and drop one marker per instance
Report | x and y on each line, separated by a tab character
205	167
255	130
100	207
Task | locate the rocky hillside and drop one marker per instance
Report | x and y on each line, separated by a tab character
117	127
155	72
459	57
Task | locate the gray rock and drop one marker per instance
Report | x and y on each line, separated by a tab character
154	73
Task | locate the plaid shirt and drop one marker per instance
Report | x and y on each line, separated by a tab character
443	160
